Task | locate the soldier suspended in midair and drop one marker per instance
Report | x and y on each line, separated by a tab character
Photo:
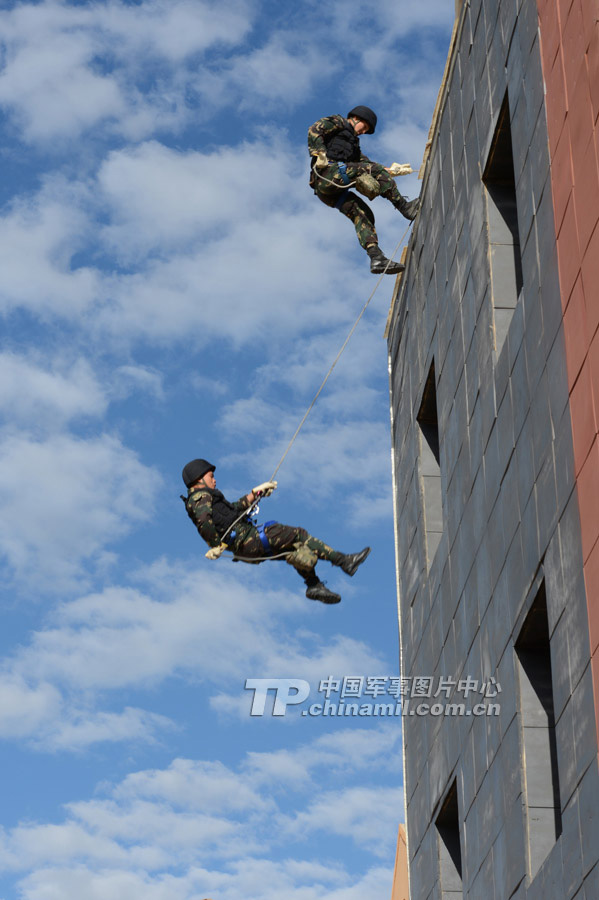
337	161
228	526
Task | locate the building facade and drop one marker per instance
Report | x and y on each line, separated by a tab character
494	375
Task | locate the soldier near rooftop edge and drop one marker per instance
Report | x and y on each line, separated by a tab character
337	161
226	526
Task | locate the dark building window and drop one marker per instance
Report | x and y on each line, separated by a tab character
538	733
450	853
430	470
502	220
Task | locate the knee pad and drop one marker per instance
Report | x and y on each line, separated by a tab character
302	557
368	185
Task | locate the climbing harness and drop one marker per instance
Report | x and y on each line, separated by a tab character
341	187
342	198
343	172
263	538
365	183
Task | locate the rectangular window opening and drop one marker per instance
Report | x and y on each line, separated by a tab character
502	221
430	469
539	748
448	842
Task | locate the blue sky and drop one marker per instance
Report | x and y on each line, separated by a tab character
171	289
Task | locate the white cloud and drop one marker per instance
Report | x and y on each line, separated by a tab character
23	709
154	834
55	88
63	500
266	880
231	244
132	379
194	784
336	448
211	252
39	713
214	291
368	816
41	393
46	80
162	199
207	385
80	729
350	750
147	835
436	14
33	394
345	440
294	61
122	637
114	884
174	30
39	237
408	139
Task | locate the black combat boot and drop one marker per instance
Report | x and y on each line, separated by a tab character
408	208
379	263
316	590
351	561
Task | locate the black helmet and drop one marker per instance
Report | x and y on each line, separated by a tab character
366	114
195	470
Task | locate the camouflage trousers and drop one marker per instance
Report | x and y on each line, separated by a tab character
285	538
350	204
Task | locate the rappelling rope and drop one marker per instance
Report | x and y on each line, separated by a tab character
336	360
341	187
237	558
247	512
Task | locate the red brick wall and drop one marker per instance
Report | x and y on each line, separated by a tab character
570	56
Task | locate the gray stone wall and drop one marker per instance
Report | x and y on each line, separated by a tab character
508	504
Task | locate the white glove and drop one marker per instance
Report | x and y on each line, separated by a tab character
321	160
396	169
215	552
265	489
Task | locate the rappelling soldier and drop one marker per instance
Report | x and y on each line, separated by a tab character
227	526
338	162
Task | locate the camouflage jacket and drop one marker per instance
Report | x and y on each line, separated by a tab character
199	506
324	130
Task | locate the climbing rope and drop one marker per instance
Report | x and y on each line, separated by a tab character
247	512
336	360
341	187
237	558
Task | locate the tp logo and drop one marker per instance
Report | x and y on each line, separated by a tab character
282	687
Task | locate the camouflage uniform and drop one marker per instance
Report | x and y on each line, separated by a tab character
246	543
349	203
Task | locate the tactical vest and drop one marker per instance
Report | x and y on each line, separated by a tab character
344	146
224	513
